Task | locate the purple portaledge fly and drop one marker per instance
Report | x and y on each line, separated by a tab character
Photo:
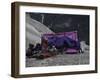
68	41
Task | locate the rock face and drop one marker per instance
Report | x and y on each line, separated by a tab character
60	60
34	30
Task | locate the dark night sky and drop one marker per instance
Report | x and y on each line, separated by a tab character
65	22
